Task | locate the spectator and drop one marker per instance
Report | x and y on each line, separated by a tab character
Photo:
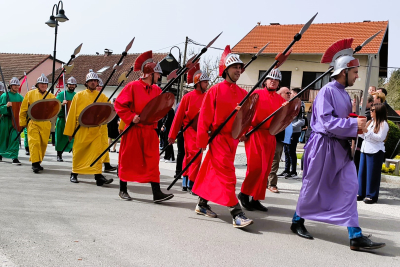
382	90
371	90
302	138
113	133
290	149
169	156
379	97
370	102
284	92
372	154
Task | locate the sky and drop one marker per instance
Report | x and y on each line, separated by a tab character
159	24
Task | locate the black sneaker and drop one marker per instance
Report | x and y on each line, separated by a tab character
1	158
27	151
184	189
59	159
283	174
16	162
124	195
292	175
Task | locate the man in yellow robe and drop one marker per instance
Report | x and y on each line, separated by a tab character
104	135
88	142
38	131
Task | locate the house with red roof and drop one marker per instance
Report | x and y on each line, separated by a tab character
14	65
303	65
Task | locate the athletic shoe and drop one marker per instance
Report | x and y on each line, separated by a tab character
74	178
16	162
206	211
124	195
27	151
169	161
1	158
241	221
184	189
291	175
283	174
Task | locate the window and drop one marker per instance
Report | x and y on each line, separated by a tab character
286	77
309	77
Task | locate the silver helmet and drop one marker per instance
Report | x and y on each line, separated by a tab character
43	79
14	81
71	80
274	74
92	76
344	62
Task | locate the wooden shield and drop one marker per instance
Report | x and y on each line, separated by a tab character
285	116
157	108
16	107
96	114
244	117
44	110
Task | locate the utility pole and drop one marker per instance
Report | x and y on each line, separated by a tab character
180	88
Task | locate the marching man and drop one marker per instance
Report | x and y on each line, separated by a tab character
216	179
9	147
330	184
38	131
138	154
188	109
260	146
65	98
104	136
88	141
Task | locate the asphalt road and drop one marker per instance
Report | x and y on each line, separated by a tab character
47	221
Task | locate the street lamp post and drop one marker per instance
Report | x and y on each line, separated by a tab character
171	58
53	23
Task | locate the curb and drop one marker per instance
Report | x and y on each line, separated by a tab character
390	179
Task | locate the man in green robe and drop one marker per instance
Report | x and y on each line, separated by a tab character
9	147
64	97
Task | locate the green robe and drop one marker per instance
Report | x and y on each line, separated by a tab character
9	147
61	139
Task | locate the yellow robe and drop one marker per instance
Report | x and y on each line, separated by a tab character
88	142
38	131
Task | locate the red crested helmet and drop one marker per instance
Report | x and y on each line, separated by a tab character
228	59
147	65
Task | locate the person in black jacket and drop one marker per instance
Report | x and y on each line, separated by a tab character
169	156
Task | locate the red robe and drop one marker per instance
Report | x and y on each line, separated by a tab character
260	147
216	180
188	109
138	154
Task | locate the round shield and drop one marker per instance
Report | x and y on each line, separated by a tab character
44	109
285	116
194	122
96	114
16	106
244	117
157	108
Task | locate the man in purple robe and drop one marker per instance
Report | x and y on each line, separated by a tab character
329	189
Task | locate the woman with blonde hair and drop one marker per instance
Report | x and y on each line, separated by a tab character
372	155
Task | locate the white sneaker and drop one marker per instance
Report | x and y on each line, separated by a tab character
169	161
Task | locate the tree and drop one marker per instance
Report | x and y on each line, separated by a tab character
392	140
393	88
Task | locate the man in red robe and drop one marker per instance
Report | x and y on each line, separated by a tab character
260	146
188	110
138	155
216	179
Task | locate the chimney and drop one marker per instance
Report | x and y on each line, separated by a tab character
275	23
366	21
108	52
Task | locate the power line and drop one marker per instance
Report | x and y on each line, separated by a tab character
168	46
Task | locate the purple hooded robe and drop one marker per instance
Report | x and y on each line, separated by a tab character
330	184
